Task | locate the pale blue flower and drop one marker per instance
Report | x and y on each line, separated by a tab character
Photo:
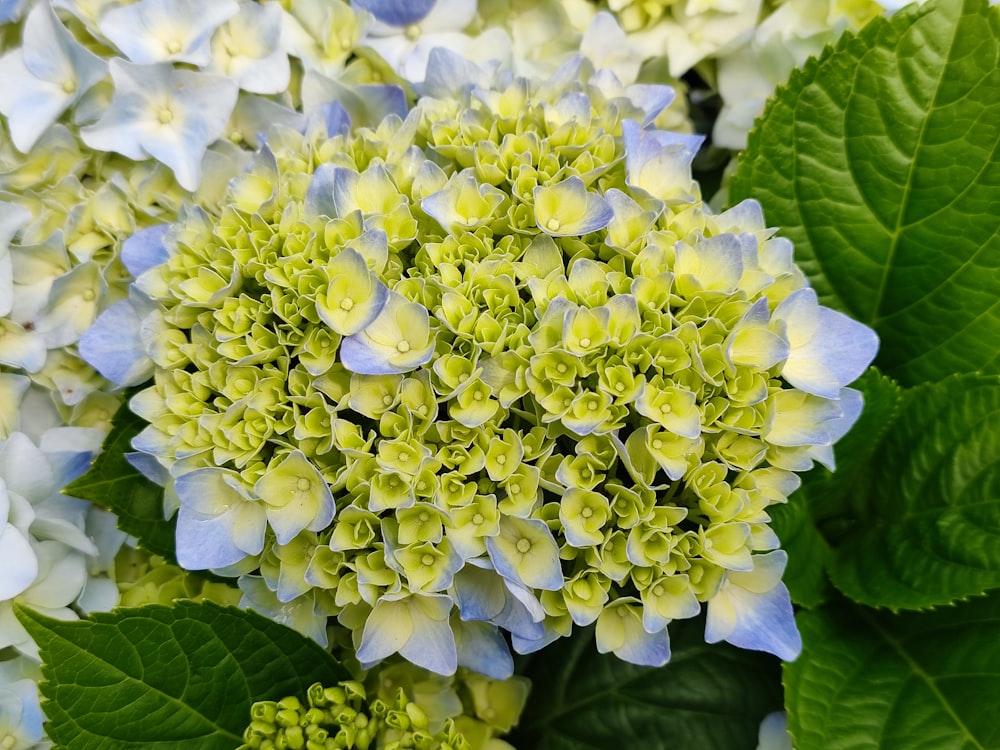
43	78
753	610
218	523
113	345
169	114
397	12
153	31
20	711
483	649
414	625
828	349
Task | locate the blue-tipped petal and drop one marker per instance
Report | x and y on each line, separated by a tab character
651	98
483	649
828	349
359	354
396	12
432	644
204	541
337	121
451	76
568	209
149	467
526	552
480	593
145	249
387	629
765	622
113	345
524	645
319	195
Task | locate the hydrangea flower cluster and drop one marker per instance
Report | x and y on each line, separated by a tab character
493	366
342	718
55	556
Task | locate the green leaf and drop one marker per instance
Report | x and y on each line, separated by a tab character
925	681
930	529
181	677
881	161
808	552
114	484
706	697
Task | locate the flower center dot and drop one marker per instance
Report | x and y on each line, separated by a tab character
166	116
586	512
403	346
89	294
427	560
477	519
69	86
501	460
478	395
592	406
387	400
523	545
553	225
404	457
236	136
657	444
619	387
561	368
412	31
174	46
515	489
665	409
421	486
346	304
303	484
584	342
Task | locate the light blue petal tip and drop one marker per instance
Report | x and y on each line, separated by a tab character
396	12
145	249
113	346
483	649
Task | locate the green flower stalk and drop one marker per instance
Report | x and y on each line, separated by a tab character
493	366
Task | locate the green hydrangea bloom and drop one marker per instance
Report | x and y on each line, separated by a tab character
491	366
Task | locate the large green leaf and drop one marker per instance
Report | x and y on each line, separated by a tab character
930	529
927	681
113	483
706	697
881	161
168	678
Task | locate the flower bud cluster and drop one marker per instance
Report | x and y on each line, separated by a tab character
343	718
493	365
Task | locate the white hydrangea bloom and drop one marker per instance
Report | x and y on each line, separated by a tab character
48	541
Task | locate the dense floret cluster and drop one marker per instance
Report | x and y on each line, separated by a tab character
493	366
342	718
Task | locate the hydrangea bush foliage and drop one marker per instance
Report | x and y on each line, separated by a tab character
441	388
